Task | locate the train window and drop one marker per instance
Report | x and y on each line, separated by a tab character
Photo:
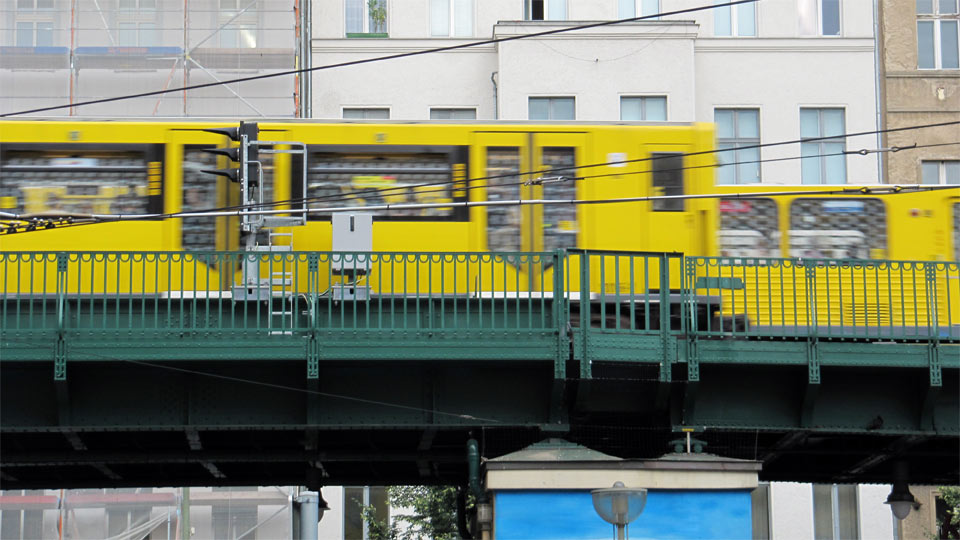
199	193
81	180
559	221
503	222
668	177
748	228
378	177
838	228
956	231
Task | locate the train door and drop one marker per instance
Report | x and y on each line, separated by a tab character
524	166
671	223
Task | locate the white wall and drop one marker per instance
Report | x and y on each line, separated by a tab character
778	71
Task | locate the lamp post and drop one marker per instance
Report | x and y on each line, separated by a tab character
619	505
901	501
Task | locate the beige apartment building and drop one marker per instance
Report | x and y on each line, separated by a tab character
920	84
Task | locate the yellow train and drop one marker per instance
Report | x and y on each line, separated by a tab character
81	167
140	167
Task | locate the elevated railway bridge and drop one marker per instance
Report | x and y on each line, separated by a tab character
168	368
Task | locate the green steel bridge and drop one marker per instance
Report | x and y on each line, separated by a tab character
175	368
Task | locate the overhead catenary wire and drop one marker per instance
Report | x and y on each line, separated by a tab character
396	56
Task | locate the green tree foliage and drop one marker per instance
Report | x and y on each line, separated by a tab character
950	524
434	514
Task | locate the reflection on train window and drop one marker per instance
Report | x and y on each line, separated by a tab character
559	221
199	193
503	184
838	228
668	177
88	183
365	179
748	228
956	231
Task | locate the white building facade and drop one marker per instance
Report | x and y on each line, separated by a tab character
773	71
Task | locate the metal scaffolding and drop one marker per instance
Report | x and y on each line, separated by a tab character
69	51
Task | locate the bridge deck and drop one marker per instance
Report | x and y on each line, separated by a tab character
152	366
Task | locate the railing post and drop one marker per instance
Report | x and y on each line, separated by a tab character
586	369
560	317
60	347
665	360
813	350
313	291
933	348
689	303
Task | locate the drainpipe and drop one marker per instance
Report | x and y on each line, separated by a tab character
879	69
496	103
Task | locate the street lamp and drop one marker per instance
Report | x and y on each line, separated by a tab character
901	501
619	505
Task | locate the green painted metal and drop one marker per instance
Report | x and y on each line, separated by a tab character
611	306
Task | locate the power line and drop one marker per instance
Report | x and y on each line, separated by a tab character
381	58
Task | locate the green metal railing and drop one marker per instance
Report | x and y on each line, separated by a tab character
825	298
586	294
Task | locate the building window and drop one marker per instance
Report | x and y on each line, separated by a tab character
452	114
451	18
34	34
365	17
819	17
366	113
835	511
737	128
643	108
740	20
937	26
238	36
823	161
940	172
545	10
34	4
552	108
141	5
133	34
628	9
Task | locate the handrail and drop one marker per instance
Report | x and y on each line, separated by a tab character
596	292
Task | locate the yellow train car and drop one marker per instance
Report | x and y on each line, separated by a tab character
56	167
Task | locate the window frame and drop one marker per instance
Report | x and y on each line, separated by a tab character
938	19
33	32
820	141
734	14
366	30
941	170
528	10
739	141
638	10
643	106
451	109
550	107
819	21
452	13
344	109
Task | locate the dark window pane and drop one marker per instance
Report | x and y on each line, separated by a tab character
668	176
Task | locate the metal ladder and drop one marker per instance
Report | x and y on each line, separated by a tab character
281	322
